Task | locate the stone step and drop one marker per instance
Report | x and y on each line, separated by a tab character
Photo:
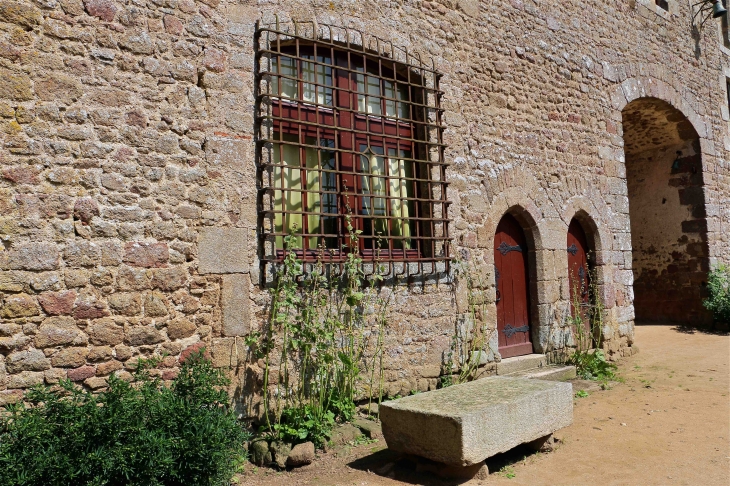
521	363
556	372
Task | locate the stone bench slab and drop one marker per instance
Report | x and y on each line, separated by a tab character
462	425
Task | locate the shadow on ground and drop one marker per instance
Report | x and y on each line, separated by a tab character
393	465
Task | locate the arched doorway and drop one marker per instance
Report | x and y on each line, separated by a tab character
579	278
513	288
667	211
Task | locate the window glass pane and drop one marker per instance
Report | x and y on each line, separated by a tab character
285	66
368	98
373	166
400	188
317	202
289	178
320	74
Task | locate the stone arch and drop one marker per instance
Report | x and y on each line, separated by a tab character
544	288
663	140
593	213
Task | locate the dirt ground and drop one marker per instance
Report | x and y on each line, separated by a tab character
668	423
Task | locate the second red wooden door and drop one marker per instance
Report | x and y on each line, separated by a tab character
513	288
579	273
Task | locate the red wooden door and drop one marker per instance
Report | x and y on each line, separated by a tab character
512	281
579	274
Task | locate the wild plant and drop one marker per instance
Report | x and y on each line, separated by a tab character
586	323
318	325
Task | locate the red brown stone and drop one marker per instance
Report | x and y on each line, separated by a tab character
21	175
57	303
82	373
192	349
103	9
146	255
172	25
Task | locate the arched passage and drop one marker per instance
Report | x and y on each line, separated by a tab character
667	212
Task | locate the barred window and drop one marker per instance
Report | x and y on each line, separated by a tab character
349	133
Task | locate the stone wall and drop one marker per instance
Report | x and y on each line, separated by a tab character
128	212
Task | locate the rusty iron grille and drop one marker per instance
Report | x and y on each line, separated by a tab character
349	134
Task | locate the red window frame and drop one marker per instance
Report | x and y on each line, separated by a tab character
350	129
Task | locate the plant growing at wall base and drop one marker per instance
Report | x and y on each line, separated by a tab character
142	433
586	322
718	287
317	330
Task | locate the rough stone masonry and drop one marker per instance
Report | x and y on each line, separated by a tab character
128	193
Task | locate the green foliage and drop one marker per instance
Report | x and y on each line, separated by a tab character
718	286
581	394
592	365
142	433
322	322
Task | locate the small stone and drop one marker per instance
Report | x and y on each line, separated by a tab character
122	352
280	452
100	353
108	368
260	453
154	304
57	303
301	455
369	428
168	279
172	25
96	382
19	13
85	209
34	256
126	304
142	335
106	332
25	379
103	9
146	255
345	434
214	60
21	305
30	360
180	329
82	373
70	357
59	331
54	375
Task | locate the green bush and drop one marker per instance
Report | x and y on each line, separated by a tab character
142	433
718	286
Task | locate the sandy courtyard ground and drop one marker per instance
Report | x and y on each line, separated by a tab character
668	423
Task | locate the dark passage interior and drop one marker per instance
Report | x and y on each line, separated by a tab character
667	210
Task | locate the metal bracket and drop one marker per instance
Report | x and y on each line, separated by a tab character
504	248
510	331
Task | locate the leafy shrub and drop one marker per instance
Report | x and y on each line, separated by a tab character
718	286
141	433
592	365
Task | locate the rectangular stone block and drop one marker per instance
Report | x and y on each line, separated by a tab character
222	250
234	300
464	424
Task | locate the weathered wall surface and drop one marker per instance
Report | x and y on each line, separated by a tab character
128	180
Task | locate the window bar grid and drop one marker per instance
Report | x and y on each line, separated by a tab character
406	170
